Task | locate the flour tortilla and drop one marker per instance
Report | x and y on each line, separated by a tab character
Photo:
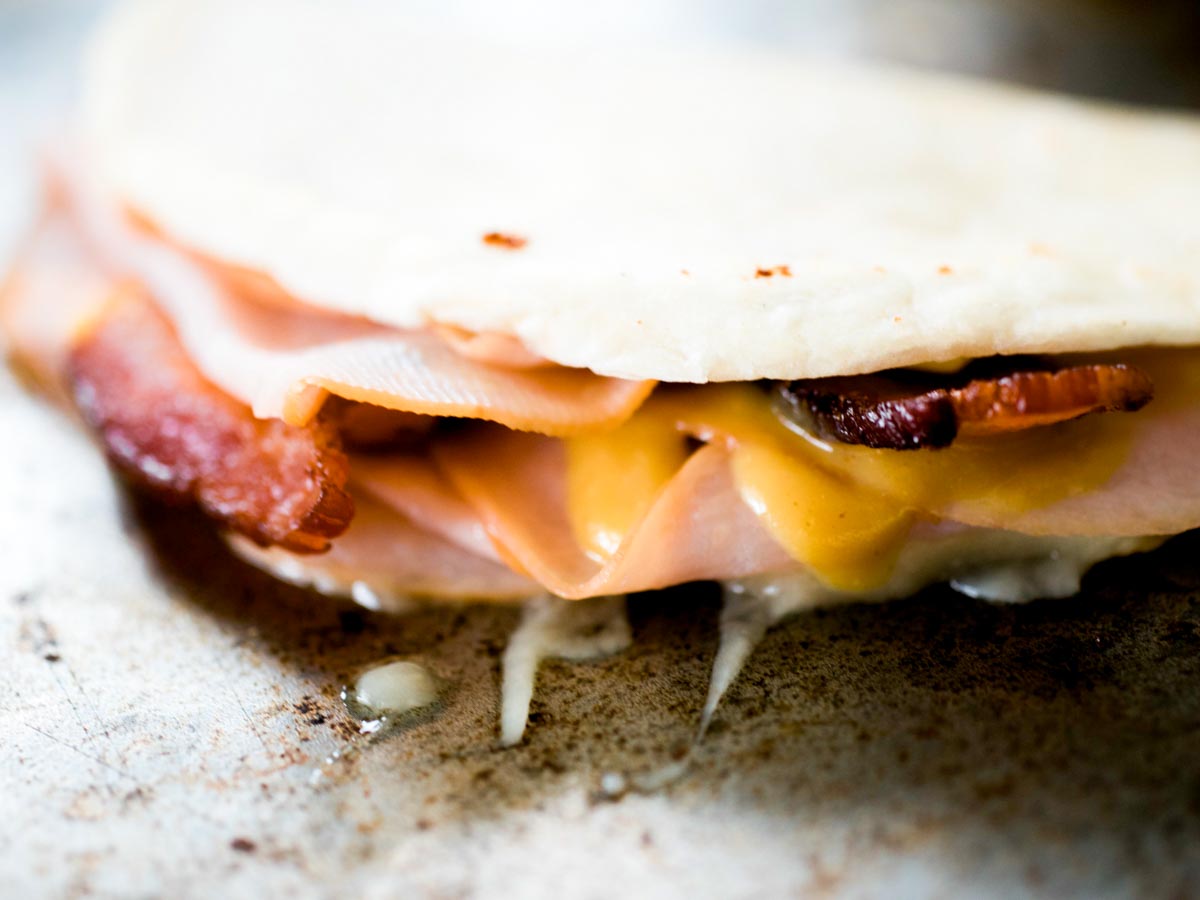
359	161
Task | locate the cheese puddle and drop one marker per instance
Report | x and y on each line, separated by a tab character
384	699
394	689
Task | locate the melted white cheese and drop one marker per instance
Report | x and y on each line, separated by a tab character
999	566
748	612
993	565
745	618
575	630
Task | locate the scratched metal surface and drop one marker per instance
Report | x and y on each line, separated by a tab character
164	708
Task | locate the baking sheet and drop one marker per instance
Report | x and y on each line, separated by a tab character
167	712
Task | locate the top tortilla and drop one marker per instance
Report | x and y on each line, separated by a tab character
359	160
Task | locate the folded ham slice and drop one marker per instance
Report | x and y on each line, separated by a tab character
1155	490
696	528
411	484
1124	475
385	558
52	287
283	360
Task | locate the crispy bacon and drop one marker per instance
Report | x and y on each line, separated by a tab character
914	410
167	428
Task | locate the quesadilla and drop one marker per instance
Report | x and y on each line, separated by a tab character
416	313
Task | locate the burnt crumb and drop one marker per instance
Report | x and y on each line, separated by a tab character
243	845
492	648
351	621
507	241
318	719
38	636
785	271
424	824
306	706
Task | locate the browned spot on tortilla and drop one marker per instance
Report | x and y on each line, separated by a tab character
507	241
771	272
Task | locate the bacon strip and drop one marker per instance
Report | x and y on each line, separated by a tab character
1029	399
911	411
167	428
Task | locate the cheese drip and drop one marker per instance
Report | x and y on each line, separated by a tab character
574	630
845	511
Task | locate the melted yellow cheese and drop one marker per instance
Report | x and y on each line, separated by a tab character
845	511
822	517
946	367
613	477
848	535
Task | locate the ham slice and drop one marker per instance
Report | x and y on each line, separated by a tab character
283	360
50	289
488	347
411	485
697	528
1156	491
384	558
1109	476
